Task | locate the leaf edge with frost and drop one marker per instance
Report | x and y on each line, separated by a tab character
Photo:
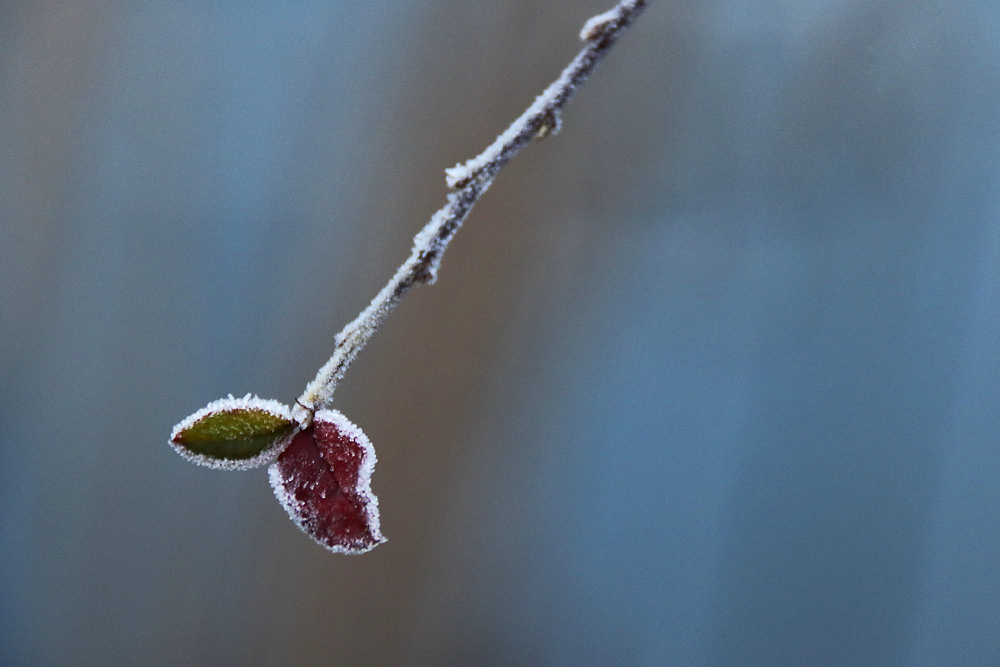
303	512
266	443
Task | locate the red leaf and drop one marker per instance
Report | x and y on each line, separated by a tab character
323	480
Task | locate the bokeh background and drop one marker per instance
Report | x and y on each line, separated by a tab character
710	378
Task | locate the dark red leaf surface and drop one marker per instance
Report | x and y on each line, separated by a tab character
323	480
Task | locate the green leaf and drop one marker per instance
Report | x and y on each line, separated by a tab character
235	433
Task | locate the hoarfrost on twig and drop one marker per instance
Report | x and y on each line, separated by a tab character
469	181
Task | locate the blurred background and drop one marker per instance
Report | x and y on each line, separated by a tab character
710	378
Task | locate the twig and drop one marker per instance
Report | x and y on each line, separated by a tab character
469	182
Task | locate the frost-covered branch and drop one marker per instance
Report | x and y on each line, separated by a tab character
321	463
469	181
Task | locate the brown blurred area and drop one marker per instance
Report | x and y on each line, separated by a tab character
707	378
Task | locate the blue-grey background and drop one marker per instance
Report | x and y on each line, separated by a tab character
710	378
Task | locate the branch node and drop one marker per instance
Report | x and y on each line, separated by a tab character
597	26
549	124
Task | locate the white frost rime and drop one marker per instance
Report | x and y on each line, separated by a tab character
469	181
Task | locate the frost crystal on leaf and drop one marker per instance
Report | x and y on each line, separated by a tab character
323	480
235	433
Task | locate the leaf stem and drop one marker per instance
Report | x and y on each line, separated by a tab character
469	181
